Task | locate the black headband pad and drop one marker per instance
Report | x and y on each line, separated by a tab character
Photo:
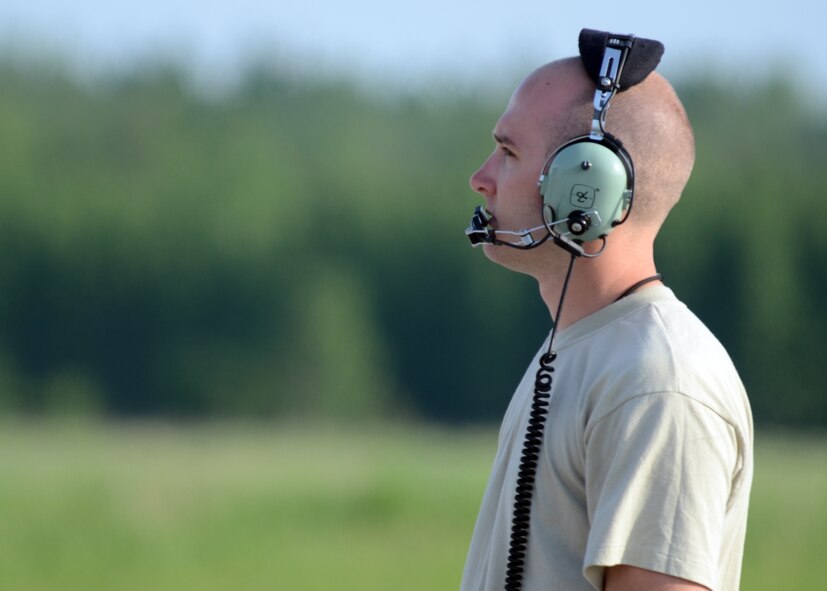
642	60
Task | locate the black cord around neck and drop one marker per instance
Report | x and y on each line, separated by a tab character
638	285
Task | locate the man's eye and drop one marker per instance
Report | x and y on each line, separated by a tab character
508	153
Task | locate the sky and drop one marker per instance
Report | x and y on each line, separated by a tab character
405	43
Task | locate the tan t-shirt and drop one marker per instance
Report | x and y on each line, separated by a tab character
646	460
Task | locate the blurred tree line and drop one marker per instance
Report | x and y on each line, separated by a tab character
295	247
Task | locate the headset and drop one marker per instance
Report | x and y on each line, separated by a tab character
587	184
587	188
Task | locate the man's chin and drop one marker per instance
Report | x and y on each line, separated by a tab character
510	258
530	262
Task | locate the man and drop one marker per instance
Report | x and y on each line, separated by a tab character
644	470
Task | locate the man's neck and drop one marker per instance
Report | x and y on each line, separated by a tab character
594	284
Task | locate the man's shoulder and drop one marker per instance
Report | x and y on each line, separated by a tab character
652	330
655	346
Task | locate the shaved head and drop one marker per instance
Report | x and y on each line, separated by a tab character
648	119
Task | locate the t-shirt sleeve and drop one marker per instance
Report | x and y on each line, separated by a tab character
658	479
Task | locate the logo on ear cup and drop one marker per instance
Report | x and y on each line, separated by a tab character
583	195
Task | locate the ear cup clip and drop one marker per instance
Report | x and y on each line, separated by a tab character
578	222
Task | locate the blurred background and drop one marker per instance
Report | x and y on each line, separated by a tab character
236	343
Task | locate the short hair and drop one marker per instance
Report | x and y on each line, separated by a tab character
651	123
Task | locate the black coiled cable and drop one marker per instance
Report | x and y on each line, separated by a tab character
527	473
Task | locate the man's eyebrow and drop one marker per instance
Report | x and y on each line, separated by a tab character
504	139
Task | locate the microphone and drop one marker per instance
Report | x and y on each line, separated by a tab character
480	231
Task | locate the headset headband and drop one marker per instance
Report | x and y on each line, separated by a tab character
642	56
615	63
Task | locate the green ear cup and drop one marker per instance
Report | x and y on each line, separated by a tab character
586	176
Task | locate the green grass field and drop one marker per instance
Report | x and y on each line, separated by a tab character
241	506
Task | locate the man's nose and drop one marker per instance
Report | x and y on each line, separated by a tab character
481	181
